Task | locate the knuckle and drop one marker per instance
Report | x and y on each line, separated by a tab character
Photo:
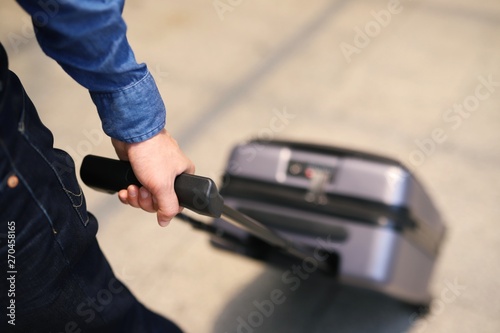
171	211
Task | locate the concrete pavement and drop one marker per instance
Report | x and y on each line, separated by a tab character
416	80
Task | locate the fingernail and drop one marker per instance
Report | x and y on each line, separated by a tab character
144	193
132	192
164	223
122	196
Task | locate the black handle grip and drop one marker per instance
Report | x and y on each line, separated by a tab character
196	193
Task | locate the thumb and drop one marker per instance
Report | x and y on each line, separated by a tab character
168	207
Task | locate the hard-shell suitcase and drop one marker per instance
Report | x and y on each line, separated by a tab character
364	217
367	212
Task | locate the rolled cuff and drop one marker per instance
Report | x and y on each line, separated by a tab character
132	114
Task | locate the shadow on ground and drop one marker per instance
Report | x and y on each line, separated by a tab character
319	304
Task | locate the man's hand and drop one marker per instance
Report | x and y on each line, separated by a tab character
156	162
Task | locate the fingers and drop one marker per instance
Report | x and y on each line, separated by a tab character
138	198
168	207
190	167
155	162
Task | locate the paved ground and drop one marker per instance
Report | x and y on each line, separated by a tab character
386	90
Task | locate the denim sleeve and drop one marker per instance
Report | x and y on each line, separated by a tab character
88	39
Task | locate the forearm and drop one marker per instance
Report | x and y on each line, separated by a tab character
88	39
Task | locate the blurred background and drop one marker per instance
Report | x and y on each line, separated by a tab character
415	80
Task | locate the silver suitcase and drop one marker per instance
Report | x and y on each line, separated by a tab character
366	214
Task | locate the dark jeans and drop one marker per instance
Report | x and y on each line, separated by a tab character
58	280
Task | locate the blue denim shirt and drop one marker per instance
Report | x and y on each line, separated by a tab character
88	39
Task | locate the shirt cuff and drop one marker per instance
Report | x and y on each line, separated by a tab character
132	114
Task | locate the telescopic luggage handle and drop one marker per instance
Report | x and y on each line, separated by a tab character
195	193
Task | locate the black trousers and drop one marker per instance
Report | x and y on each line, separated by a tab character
58	279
